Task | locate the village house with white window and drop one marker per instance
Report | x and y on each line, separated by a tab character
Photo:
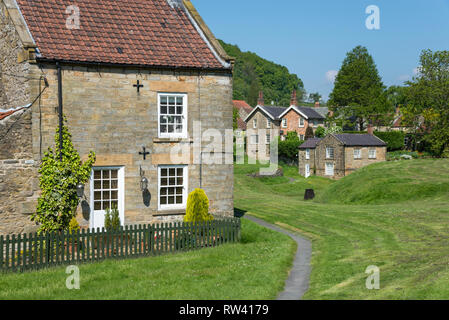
263	125
338	155
134	79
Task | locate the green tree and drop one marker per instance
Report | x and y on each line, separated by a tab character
58	182
428	100
253	73
320	132
235	117
315	97
358	90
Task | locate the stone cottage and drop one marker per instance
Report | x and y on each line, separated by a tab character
263	125
136	80
244	109
338	155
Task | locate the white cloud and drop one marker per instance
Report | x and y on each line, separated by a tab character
331	75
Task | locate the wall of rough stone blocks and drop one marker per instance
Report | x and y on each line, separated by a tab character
302	161
260	150
338	160
352	164
19	186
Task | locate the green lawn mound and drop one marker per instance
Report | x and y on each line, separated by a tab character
391	182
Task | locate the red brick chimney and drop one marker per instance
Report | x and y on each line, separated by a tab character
294	100
370	129
260	101
317	104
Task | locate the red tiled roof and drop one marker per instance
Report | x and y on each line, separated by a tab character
135	32
3	115
242	104
241	124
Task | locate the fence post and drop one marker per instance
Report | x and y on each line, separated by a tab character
1	252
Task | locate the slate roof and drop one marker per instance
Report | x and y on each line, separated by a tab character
310	143
324	111
125	32
274	111
360	140
311	113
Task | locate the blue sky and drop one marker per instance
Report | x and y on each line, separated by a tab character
311	38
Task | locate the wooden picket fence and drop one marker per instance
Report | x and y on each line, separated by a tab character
31	252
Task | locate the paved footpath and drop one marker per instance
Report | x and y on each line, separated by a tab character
298	280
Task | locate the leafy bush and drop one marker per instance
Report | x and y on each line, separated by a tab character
288	149
59	176
320	132
394	139
112	219
74	226
198	207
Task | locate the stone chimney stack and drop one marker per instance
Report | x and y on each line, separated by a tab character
317	104
294	100
260	101
370	129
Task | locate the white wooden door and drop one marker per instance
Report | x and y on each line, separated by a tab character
307	171
106	191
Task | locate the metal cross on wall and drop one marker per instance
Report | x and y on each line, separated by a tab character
138	86
144	153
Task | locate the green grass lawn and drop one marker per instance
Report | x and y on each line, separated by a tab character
394	215
256	268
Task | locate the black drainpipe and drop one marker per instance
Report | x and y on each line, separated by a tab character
58	67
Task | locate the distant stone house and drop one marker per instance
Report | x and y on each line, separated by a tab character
298	119
244	110
133	74
263	125
338	155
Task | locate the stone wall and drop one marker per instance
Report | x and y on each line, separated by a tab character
338	160
302	161
105	114
14	79
260	150
19	186
352	164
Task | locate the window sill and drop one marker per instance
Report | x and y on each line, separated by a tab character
172	140
162	213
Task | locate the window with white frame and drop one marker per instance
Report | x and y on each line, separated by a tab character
357	153
284	123
301	122
307	154
268	138
301	137
105	189
268	124
329	152
329	169
254	139
372	153
172	115
172	187
255	123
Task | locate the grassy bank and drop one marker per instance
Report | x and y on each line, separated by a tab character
256	268
394	215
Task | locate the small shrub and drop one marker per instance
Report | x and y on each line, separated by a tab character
74	225
112	219
197	207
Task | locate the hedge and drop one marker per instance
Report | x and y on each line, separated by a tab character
394	139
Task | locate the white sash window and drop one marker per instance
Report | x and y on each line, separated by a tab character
172	109
172	187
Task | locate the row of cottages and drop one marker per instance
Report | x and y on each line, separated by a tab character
133	79
338	155
266	123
